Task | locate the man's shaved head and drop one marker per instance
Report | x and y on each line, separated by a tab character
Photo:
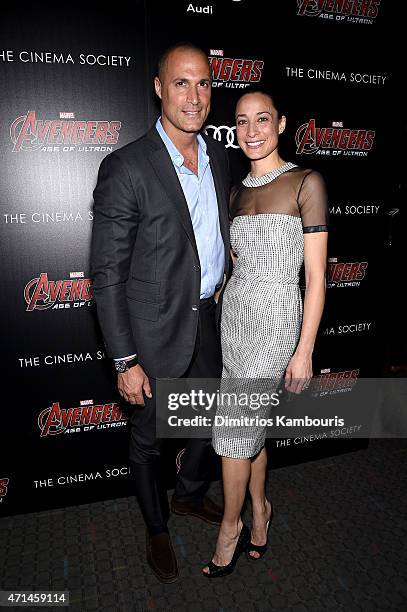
180	46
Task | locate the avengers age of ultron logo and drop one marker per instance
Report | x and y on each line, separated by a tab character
41	293
335	140
66	134
330	383
86	417
348	11
3	488
345	274
235	73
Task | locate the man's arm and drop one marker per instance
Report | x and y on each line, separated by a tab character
115	225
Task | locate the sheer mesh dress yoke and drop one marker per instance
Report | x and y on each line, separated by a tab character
262	306
298	192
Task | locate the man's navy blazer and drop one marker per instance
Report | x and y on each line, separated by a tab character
144	261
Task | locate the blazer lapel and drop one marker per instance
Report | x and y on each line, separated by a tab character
166	173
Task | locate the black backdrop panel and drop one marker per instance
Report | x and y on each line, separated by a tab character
77	85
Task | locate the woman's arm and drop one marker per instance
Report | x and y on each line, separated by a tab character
299	369
219	291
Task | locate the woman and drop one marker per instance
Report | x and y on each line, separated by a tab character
279	221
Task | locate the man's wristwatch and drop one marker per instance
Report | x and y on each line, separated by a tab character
121	365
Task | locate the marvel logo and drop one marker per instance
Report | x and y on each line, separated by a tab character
67	115
337	124
216	52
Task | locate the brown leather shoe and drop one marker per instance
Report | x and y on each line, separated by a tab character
161	557
206	510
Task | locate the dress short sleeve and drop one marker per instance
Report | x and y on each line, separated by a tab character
313	203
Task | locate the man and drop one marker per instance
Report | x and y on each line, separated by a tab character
160	250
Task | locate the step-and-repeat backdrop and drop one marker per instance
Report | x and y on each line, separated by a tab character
77	83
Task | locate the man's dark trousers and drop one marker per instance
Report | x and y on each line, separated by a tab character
144	449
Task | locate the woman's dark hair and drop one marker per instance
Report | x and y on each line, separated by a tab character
276	100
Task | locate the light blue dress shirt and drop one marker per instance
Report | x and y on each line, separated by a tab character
200	194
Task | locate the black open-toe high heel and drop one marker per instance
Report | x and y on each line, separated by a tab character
217	571
262	548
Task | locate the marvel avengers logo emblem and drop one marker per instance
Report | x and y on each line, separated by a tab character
41	293
178	459
232	72
224	134
87	416
28	133
311	9
345	274
328	383
352	11
3	487
336	140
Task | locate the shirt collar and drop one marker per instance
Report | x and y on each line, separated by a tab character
176	157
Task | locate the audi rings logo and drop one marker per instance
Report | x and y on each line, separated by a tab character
223	133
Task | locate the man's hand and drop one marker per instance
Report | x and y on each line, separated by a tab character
219	291
132	383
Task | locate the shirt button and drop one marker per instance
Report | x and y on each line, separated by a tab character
197	268
195	307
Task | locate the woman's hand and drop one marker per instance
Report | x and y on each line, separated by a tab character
299	372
